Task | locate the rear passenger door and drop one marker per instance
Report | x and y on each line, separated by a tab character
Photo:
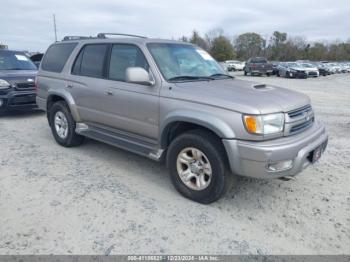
88	84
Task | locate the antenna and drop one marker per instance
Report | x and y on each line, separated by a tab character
54	27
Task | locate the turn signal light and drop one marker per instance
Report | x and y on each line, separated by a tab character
251	124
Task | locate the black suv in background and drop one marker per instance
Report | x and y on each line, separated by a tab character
17	81
258	66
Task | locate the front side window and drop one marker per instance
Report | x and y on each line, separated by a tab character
122	57
15	61
176	61
90	61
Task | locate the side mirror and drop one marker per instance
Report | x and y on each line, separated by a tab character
138	75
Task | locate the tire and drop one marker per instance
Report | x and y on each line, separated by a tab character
245	73
268	74
68	138
213	153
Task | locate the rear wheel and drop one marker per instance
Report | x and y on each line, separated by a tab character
63	125
197	164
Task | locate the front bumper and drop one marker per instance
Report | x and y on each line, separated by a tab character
247	158
18	100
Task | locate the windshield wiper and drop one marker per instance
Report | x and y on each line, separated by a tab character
226	75
184	78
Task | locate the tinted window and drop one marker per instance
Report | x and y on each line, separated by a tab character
122	57
15	61
56	57
91	60
258	60
77	64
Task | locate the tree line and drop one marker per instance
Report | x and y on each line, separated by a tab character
278	47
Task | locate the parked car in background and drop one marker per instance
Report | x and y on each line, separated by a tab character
17	81
258	66
275	67
224	66
310	69
323	70
139	94
234	65
291	70
36	58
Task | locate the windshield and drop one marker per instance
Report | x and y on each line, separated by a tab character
15	61
184	62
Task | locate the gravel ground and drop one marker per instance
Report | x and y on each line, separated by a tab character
96	199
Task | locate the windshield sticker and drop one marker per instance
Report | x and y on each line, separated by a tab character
204	54
21	58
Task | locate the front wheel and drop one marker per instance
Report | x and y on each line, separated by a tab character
197	164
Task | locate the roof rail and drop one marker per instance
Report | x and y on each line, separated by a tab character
103	35
75	37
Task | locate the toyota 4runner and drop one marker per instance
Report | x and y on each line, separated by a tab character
172	101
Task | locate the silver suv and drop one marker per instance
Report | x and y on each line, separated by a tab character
172	101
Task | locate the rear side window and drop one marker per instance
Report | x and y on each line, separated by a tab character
90	61
56	57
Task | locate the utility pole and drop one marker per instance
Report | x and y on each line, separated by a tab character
54	27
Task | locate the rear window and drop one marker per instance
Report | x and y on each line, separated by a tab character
56	57
258	60
90	61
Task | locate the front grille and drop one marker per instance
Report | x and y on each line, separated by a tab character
301	126
298	120
299	111
25	86
313	73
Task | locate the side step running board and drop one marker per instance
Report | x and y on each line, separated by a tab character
122	141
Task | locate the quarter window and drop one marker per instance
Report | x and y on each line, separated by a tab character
122	57
56	57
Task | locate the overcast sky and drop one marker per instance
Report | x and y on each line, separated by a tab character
27	24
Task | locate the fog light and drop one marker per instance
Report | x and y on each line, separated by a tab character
280	166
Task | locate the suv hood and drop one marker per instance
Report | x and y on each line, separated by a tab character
17	74
241	96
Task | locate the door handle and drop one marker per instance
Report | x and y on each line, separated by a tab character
69	86
109	93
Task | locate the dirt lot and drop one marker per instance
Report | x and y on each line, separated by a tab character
96	199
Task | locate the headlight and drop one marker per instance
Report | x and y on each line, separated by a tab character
4	84
264	124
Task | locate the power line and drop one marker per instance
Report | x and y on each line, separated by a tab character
54	27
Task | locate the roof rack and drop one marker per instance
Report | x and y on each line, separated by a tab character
75	37
103	35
